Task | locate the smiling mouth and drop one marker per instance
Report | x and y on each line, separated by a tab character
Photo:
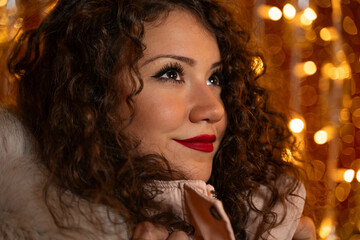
203	143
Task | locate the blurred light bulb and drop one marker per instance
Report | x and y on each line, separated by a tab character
326	134
329	34
296	125
350	26
305	21
310	68
289	11
3	3
358	175
325	227
321	137
310	14
325	34
349	175
275	13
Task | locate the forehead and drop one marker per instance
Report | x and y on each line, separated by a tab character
181	33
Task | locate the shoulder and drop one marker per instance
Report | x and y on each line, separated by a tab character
288	212
23	210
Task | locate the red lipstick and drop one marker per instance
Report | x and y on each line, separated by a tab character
203	143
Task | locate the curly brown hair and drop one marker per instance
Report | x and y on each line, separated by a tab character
72	71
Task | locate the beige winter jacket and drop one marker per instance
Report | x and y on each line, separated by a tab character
24	215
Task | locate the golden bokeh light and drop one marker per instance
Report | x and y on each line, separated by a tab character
343	71
321	137
275	14
356	118
310	14
310	68
329	34
342	175
349	26
344	115
325	34
296	125
325	227
3	3
325	134
289	11
305	69
324	92
342	191
305	21
358	175
349	175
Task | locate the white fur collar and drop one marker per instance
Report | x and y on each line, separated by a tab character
23	212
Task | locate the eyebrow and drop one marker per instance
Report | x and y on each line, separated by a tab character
186	60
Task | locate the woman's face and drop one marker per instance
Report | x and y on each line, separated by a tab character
179	112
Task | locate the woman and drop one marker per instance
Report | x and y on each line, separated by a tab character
127	108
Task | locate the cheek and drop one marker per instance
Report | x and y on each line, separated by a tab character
159	113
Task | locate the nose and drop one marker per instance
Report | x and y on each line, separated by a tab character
206	104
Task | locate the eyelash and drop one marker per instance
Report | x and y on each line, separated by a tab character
175	67
179	70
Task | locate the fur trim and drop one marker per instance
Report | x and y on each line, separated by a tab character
23	212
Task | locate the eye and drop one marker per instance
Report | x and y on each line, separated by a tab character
215	79
171	72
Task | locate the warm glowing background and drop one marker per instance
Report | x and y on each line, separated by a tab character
312	50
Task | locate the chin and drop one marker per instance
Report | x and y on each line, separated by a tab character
204	176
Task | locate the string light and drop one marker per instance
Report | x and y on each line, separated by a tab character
310	14
296	125
3	3
275	14
358	175
329	34
326	227
305	21
325	34
310	68
321	137
342	191
330	45
349	175
350	26
289	11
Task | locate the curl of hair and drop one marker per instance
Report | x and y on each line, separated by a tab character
78	67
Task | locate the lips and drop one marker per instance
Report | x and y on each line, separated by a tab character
203	143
